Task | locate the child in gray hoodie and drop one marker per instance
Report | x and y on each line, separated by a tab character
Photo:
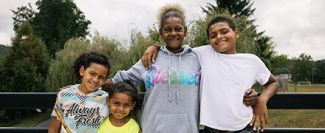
171	101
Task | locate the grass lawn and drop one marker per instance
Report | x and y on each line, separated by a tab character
296	118
307	88
302	118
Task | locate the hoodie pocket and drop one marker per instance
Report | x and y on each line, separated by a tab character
172	123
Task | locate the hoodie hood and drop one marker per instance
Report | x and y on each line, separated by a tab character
186	49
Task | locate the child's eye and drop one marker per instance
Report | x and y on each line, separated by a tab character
127	105
167	30
179	29
116	103
224	31
102	78
212	35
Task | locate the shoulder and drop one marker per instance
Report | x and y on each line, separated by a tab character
249	56
106	121
203	48
68	90
133	121
133	125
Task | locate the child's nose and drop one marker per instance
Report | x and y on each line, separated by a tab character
219	36
120	108
96	79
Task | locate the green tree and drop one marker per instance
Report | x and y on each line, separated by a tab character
302	68
25	66
253	41
23	14
3	50
319	72
61	72
281	64
57	21
236	8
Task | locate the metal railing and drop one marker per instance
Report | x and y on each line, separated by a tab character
46	100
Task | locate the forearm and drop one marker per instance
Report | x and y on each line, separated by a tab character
269	90
54	126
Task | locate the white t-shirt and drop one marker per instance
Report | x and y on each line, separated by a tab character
224	80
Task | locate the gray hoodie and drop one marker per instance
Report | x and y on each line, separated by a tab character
171	101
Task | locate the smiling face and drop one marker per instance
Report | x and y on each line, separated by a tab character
120	105
173	33
93	77
223	38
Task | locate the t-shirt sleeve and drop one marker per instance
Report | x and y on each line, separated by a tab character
263	73
57	105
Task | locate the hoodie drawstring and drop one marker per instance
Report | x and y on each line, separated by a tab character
169	73
177	89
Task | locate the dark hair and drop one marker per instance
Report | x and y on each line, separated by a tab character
168	11
122	87
222	18
127	88
86	59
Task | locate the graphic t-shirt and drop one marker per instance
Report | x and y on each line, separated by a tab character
82	113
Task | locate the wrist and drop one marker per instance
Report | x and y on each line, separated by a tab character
262	100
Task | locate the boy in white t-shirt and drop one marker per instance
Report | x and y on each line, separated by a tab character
225	76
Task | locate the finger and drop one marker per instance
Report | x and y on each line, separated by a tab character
248	92
150	58
144	61
253	92
265	117
262	125
154	57
256	123
248	101
246	104
252	121
148	61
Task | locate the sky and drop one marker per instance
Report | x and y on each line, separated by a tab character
296	26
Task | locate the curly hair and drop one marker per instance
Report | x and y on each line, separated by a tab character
168	11
86	59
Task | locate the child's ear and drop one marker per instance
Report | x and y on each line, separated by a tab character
134	103
237	33
82	71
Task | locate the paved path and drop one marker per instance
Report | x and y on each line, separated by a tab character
45	123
